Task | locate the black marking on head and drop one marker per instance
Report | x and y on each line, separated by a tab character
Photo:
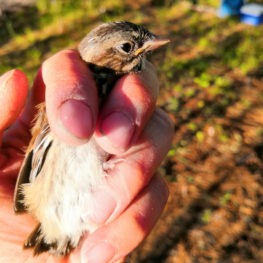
107	30
138	32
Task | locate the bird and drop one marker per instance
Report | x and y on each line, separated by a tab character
56	180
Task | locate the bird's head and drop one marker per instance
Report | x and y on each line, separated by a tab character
119	46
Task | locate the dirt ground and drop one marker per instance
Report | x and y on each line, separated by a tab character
214	213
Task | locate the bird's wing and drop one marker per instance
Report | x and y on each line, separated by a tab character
34	158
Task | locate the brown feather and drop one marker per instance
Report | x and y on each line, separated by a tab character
40	121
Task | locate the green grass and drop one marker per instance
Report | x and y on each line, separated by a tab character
53	25
28	37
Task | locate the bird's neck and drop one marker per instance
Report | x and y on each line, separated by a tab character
105	79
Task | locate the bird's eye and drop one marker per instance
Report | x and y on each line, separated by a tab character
125	47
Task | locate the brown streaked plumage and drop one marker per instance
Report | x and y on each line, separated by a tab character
52	184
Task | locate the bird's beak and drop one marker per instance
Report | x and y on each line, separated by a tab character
151	45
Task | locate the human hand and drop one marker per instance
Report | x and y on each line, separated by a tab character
130	203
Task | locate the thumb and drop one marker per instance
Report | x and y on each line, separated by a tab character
13	93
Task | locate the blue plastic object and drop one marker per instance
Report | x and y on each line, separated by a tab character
230	7
252	14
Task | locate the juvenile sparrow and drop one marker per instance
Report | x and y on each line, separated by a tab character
56	180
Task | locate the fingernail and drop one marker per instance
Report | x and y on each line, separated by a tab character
77	118
99	253
119	129
107	206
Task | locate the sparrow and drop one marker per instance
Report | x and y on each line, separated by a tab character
56	180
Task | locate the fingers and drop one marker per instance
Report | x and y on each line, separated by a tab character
13	93
66	85
71	97
115	240
127	110
72	104
131	171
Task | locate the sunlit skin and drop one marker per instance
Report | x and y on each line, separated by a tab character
57	182
138	209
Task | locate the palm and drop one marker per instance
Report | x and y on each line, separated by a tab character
13	228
